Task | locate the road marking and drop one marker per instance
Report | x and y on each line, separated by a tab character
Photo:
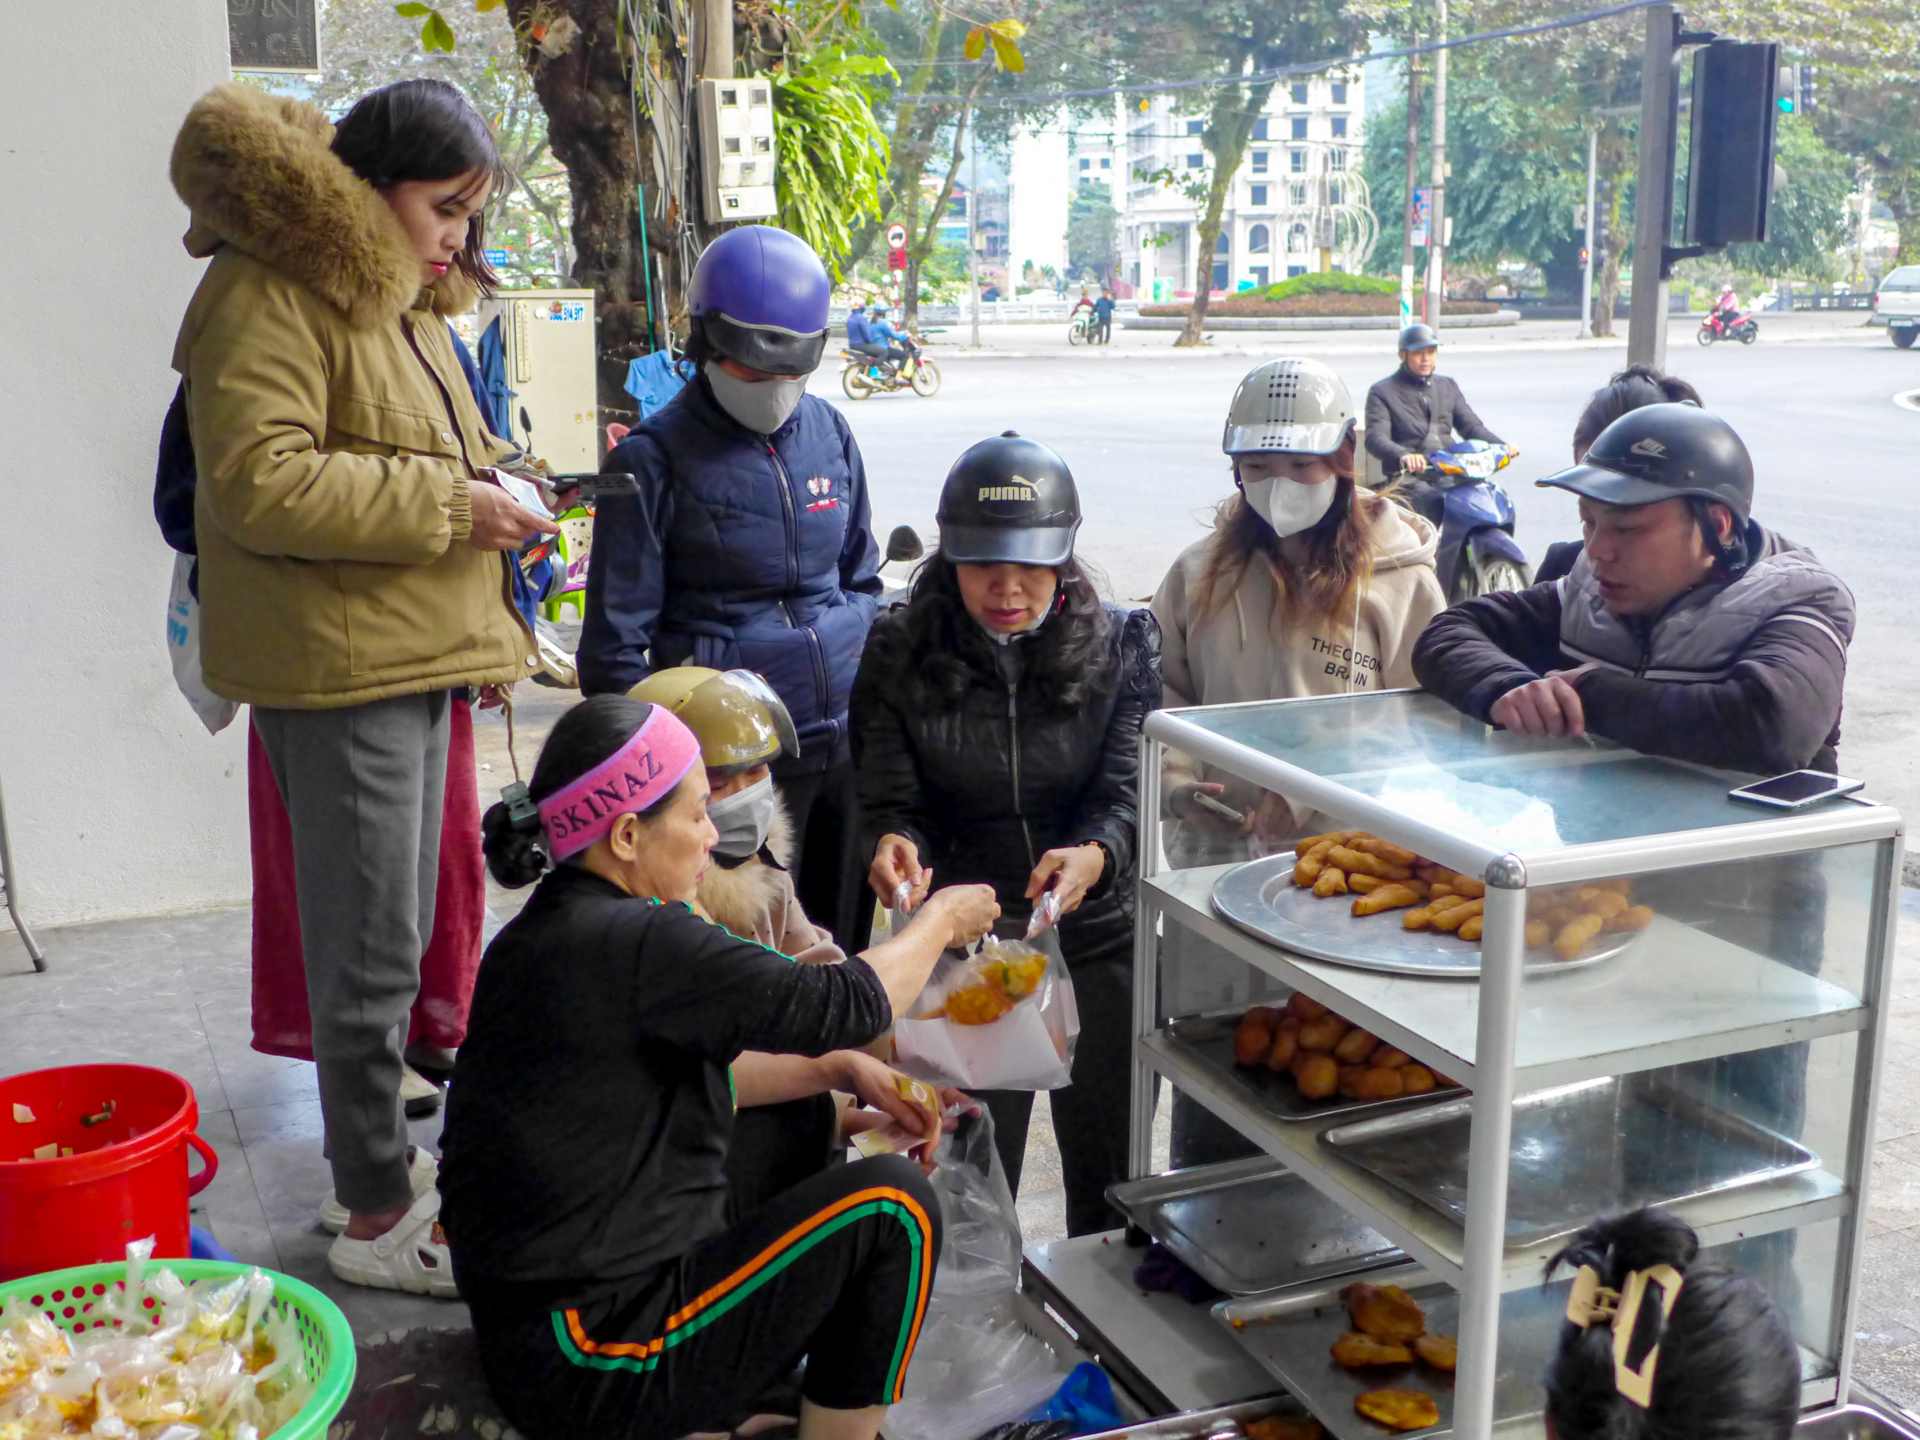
1910	399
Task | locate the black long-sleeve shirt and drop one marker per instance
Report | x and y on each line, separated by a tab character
1408	414
592	1106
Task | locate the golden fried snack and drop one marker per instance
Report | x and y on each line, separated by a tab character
1312	860
1606	904
1398	1409
1634	917
1355	1046
1371	1084
1386	1312
1348	1084
1572	940
1330	882
1286	1044
1453	918
1469	887
1416	1080
1270	1015
1439	1351
1395	896
1472	927
976	1005
1620	885
1385	1057
1538	934
1356	1351
1251	1039
1329	839
1303	1007
1320	1036
1418	886
1350	859
1367	884
1419	919
1284	1427
1388	851
1440	890
1318	1076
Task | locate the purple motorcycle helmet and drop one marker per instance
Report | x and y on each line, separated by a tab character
759	296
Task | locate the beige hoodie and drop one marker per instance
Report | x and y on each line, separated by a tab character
1240	651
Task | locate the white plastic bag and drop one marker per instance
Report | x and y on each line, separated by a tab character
183	649
1028	1047
975	1365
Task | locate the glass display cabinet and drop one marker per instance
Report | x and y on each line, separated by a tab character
1670	998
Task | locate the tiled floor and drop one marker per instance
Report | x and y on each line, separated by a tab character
173	991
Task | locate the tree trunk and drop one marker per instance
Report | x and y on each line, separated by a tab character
586	93
1901	191
1612	235
1228	131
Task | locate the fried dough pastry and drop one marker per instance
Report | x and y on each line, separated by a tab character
1439	1351
1398	1409
1355	1351
1385	1312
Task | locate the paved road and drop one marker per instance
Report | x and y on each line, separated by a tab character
1140	425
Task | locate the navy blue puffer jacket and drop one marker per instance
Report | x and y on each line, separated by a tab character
740	551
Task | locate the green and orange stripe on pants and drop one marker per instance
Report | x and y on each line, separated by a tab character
641	1356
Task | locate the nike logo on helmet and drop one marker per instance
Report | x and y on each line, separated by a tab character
1649	446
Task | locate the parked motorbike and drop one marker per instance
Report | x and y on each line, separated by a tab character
1478	554
1080	328
1719	325
866	375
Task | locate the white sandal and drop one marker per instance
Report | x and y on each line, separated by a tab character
412	1256
422	1170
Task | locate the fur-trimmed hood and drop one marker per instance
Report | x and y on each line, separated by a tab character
739	898
257	172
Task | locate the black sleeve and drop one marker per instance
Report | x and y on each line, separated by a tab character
1380	431
626	583
1110	807
1469	426
1772	712
886	773
1476	652
706	991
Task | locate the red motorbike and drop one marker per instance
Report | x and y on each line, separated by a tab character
1726	325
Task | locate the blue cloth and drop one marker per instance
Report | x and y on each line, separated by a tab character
739	551
859	328
883	330
489	381
655	379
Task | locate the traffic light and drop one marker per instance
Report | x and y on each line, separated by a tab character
1730	159
1785	86
1806	88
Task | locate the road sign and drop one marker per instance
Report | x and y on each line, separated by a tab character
1422	216
495	257
896	237
896	259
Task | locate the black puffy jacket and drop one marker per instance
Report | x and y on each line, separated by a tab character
1407	413
985	786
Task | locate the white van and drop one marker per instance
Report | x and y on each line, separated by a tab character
1896	304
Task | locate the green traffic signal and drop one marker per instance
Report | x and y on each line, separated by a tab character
1785	102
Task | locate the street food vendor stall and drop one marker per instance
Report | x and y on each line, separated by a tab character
1653	994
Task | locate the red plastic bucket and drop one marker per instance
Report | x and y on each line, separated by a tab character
128	1128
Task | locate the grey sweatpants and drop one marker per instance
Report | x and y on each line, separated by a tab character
363	787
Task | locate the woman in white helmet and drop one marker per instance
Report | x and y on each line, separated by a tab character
1306	586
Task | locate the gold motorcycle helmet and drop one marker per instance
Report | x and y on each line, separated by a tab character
735	715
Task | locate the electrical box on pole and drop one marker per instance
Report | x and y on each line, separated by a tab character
1730	159
736	144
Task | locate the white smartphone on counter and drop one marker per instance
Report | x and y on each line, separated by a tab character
1797	789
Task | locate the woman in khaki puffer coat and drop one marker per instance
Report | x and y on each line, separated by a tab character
350	545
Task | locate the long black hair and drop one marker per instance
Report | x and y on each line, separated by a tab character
424	130
1631	388
582	738
936	638
1728	1370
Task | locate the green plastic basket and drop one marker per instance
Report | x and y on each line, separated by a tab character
69	1296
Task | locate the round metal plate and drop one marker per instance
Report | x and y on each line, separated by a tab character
1260	898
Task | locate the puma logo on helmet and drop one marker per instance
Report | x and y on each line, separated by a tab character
1018	490
1649	446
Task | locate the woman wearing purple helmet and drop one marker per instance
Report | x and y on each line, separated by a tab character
749	544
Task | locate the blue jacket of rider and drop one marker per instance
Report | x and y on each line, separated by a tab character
739	551
883	330
859	328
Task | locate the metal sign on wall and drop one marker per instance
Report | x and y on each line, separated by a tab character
273	35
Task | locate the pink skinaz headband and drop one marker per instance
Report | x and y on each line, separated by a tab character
632	779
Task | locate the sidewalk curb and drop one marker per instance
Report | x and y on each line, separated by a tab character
1317	322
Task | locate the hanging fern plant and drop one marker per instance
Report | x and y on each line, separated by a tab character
831	152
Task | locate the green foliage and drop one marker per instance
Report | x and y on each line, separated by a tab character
1336	283
831	151
1093	230
943	274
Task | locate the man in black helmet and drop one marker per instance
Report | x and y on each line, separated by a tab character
1684	629
1414	412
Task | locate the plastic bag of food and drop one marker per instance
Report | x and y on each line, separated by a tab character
1001	1019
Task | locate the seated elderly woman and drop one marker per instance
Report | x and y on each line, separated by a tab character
593	1106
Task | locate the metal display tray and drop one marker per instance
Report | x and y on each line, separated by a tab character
1260	898
1291	1333
1210	1038
1854	1422
1223	1421
1577	1150
1251	1225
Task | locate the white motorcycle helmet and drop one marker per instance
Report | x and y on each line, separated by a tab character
1294	405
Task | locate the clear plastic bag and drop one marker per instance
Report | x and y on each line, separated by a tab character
975	1366
1002	1019
183	650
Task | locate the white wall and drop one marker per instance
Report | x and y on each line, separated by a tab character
117	800
1039	192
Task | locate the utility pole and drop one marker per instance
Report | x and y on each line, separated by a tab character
716	44
1413	174
1586	264
973	236
1437	239
1653	191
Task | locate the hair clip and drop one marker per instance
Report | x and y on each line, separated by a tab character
522	813
1590	1300
1637	1385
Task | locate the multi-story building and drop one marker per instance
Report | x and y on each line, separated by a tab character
1297	204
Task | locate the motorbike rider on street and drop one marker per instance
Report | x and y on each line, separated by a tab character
899	346
860	333
1415	411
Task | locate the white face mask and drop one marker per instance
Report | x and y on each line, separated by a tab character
1287	505
761	405
743	820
